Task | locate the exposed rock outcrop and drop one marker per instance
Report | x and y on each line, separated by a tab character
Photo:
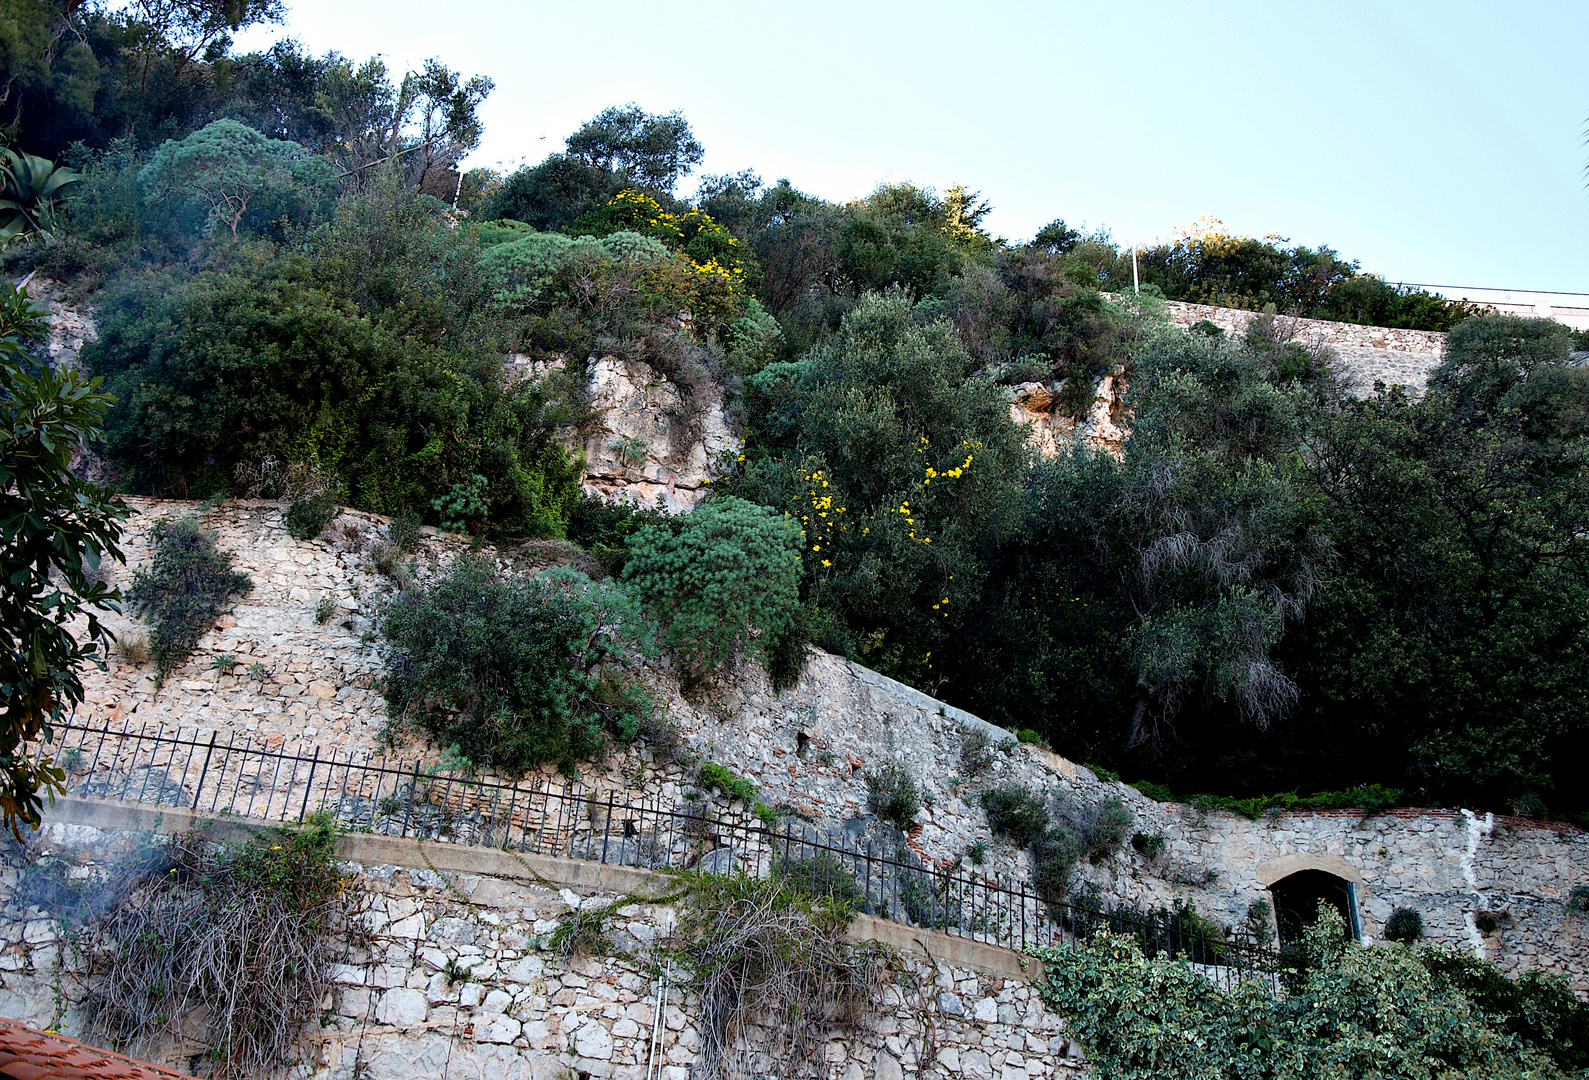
1053	428
648	442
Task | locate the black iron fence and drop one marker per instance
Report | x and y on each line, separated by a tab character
552	815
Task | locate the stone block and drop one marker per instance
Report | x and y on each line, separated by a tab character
353	1002
401	1008
411	928
593	1040
986	1011
454	931
496	1002
499	1029
440	989
949	1005
40	931
887	1067
347	974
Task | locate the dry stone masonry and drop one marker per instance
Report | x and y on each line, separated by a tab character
808	752
1364	354
460	981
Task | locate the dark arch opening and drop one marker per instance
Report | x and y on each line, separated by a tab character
1297	899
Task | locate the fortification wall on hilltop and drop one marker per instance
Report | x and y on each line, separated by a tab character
809	749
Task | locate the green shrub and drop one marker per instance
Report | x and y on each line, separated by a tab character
722	580
976	751
1030	737
1578	899
713	775
583	932
515	671
891	794
1147	844
324	608
372	345
1538	1008
463	508
603	529
821	875
183	590
1404	925
307	517
1015	812
1102	829
1054	857
1157	792
226	176
1353	1011
1259	923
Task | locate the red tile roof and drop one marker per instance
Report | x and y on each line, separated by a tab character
26	1054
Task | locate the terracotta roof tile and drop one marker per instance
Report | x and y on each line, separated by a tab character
27	1054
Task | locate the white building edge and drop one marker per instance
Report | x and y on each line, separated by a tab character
1564	307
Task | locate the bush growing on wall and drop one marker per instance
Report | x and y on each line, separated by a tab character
514	671
184	588
722	581
1015	812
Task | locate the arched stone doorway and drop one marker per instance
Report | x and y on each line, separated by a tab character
1298	883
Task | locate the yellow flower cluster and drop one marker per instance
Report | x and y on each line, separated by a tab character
640	211
929	474
822	519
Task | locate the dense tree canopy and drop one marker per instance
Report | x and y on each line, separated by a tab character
1271	586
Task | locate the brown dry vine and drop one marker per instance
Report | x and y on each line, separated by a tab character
762	952
239	938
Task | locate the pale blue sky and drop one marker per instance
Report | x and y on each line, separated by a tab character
1435	142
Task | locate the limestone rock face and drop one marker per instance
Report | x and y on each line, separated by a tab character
648	441
1052	429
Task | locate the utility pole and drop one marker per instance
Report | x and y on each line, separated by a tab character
1136	285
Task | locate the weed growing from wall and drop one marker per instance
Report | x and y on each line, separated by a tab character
182	592
713	775
1015	813
307	517
763	949
891	794
243	936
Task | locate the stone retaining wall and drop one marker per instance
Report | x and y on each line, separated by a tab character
1363	354
809	751
460	981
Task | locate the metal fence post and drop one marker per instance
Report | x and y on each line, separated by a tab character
308	787
198	792
606	827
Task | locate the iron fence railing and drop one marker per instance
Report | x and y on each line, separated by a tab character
554	815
